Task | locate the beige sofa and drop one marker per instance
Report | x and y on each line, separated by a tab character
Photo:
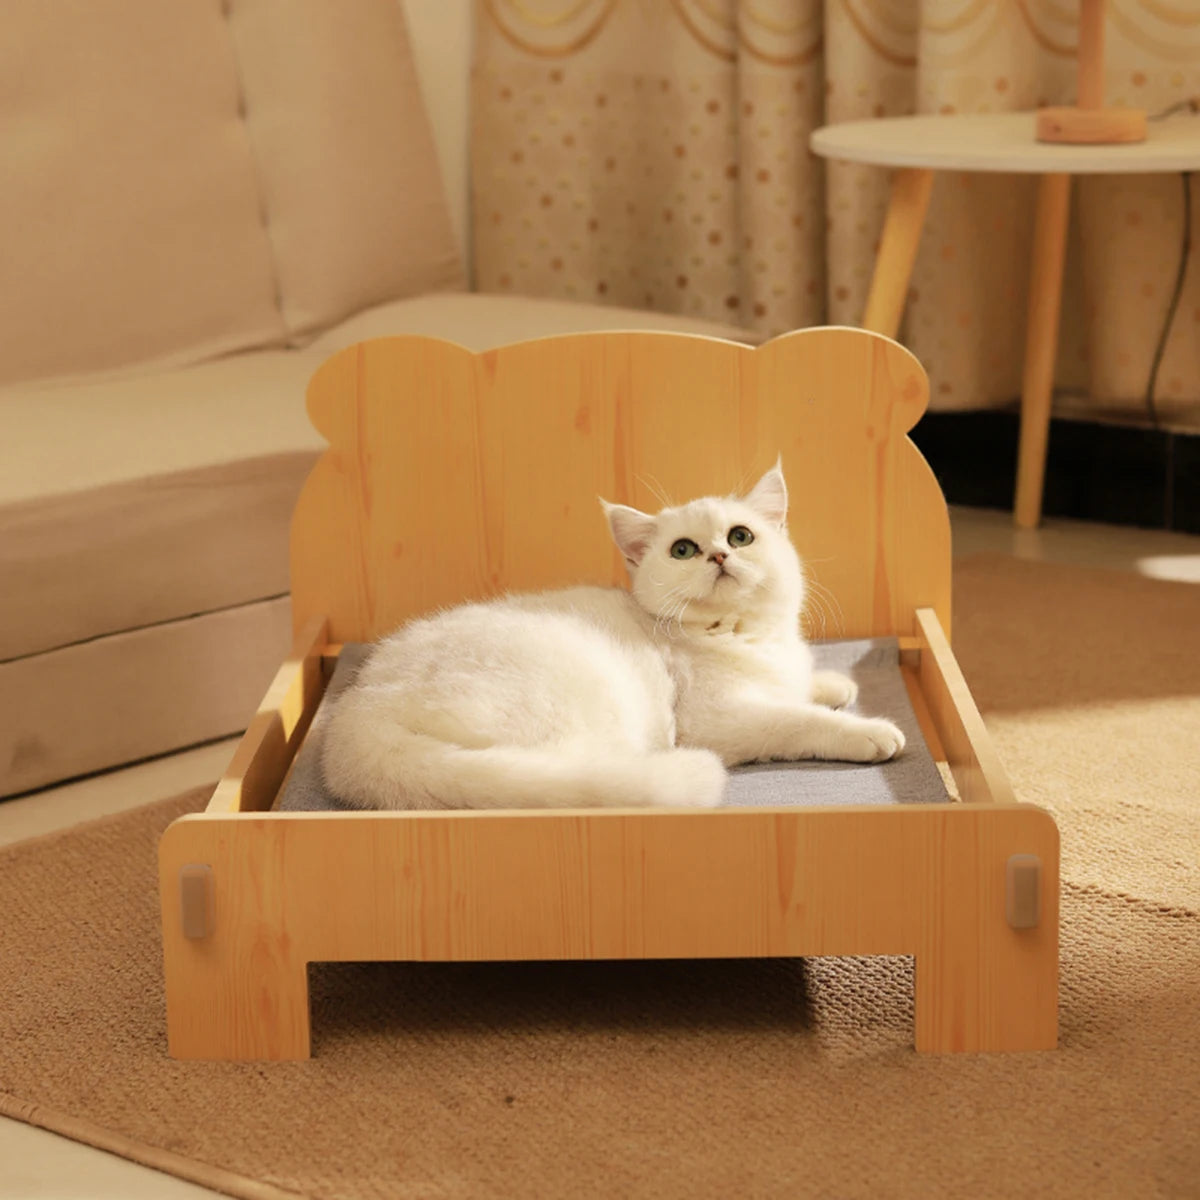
204	202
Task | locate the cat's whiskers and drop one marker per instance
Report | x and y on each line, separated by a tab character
836	612
812	615
742	486
814	618
663	616
676	617
824	606
674	605
656	489
675	622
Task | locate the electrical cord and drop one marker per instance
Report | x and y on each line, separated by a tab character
1185	250
1192	104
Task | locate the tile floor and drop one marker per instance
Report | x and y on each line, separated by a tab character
35	1165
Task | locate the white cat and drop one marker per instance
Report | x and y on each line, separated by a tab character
604	697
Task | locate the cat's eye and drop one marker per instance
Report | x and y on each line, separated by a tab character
684	548
739	535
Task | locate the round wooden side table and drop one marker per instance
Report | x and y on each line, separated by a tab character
916	147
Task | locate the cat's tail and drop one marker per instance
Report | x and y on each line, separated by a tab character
406	770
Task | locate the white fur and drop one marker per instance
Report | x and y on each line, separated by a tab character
602	697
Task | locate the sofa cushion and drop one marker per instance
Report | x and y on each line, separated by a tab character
191	178
125	503
480	322
129	502
114	700
353	199
129	217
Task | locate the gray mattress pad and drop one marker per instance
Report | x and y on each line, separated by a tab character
874	664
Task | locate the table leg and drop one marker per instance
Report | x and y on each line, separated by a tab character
897	250
1041	344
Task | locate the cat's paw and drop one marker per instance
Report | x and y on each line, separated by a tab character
872	740
831	689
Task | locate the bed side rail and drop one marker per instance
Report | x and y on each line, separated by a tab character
254	776
972	758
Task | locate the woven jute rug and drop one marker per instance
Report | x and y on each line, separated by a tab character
727	1079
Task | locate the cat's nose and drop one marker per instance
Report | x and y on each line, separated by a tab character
718	557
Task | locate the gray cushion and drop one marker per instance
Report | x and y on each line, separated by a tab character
873	663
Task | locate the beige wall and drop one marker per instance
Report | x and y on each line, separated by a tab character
441	32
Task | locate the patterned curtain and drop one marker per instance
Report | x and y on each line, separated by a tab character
653	153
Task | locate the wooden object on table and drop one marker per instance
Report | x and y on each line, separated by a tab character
1088	121
452	475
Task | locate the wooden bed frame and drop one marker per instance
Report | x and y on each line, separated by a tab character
453	475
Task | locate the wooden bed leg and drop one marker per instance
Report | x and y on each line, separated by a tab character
987	972
236	1008
236	984
966	1000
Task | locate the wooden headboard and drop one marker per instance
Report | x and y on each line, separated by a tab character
452	475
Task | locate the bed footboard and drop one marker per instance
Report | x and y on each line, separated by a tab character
930	881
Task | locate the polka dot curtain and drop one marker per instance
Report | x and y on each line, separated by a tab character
653	154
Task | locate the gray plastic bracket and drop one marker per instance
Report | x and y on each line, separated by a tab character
196	900
1023	891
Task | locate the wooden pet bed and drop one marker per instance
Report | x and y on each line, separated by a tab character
453	475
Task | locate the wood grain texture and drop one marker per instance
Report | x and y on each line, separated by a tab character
928	726
1090	54
263	756
1089	122
453	475
1091	126
908	203
911	879
968	747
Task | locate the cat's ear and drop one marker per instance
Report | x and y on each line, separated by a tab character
769	497
631	530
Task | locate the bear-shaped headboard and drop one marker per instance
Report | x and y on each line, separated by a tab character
452	475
